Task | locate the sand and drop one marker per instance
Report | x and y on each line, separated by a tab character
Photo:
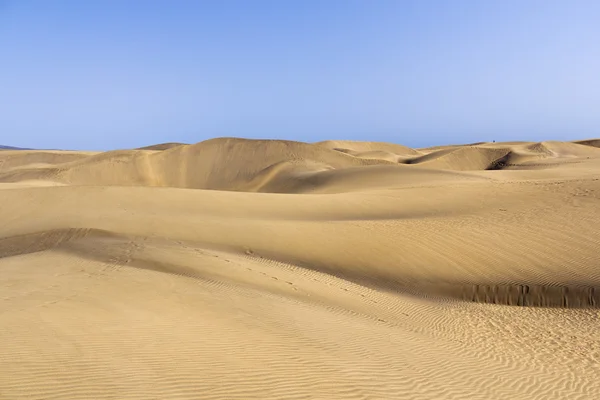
248	269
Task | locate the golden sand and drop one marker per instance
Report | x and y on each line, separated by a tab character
265	269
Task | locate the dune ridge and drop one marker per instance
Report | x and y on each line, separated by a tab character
270	269
250	165
161	146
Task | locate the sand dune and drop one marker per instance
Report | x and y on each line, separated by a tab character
162	146
591	142
362	147
264	269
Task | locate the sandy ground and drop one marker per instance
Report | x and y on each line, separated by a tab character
239	269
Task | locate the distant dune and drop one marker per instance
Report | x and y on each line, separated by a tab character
11	148
283	166
272	269
591	142
162	146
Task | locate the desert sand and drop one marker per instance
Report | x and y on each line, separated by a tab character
266	269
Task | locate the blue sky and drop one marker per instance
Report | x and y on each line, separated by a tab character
112	74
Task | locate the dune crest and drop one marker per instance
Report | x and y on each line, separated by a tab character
161	146
271	269
240	164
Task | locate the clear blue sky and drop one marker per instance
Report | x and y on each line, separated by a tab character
106	74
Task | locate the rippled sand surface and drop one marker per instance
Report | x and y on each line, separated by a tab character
248	269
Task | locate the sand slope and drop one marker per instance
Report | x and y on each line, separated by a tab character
362	271
161	146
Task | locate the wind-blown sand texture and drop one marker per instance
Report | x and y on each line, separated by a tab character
264	269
